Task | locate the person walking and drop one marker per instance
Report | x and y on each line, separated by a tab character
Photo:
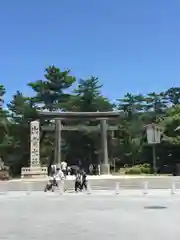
64	168
84	180
91	169
52	183
50	186
59	176
99	169
53	169
78	182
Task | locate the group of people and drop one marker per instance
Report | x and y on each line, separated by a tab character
57	177
80	181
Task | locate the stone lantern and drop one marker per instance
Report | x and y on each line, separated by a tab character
153	137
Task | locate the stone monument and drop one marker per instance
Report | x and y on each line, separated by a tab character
35	170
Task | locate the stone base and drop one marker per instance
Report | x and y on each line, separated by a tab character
34	172
105	169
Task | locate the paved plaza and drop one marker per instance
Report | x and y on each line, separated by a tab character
100	215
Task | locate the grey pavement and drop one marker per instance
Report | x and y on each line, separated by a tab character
47	216
97	184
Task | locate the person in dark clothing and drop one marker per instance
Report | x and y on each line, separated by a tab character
50	185
84	180
78	182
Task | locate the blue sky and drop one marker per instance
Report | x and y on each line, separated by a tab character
131	45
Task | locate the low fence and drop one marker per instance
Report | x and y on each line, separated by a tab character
105	184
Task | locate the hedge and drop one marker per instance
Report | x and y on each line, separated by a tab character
139	169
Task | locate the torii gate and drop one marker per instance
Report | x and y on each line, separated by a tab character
103	127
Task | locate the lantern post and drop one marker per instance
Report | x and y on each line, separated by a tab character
153	137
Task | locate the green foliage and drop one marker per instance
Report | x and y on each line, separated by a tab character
87	97
2	92
50	92
173	95
59	91
139	169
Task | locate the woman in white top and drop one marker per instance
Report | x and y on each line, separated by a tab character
59	176
64	168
